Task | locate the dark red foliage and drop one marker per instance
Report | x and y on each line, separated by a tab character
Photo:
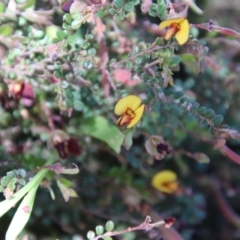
66	6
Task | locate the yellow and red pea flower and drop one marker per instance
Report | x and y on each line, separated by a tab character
130	110
179	27
165	181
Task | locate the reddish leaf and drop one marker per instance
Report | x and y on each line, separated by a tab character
214	28
66	6
57	168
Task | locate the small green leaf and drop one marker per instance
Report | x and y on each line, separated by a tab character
89	36
217	120
27	4
78	106
136	2
5	180
55	40
175	60
66	191
6	30
139	60
64	84
201	110
76	23
65	25
211	130
65	182
121	15
67	17
195	105
12	174
107	238
204	123
88	64
61	35
161	9
112	11
22	172
109	226
76	95
118	3
2	8
128	139
69	102
99	230
90	235
187	57
201	157
92	52
153	10
177	94
225	126
100	128
12	184
209	113
129	64
21	181
129	7
73	193
1	188
68	93
183	100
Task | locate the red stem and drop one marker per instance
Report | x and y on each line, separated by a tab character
231	154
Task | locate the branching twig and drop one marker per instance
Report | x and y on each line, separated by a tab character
224	206
146	225
230	154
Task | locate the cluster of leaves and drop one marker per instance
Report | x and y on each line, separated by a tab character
11	180
121	8
99	230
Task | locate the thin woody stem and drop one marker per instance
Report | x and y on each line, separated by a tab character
231	154
224	206
146	225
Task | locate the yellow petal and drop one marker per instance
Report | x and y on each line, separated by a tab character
165	181
130	102
137	117
183	34
168	22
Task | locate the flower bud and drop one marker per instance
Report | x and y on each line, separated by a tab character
22	91
156	147
64	144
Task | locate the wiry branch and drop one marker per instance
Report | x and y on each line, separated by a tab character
146	225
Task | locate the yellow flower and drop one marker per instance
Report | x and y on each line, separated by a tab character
165	181
130	110
179	27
